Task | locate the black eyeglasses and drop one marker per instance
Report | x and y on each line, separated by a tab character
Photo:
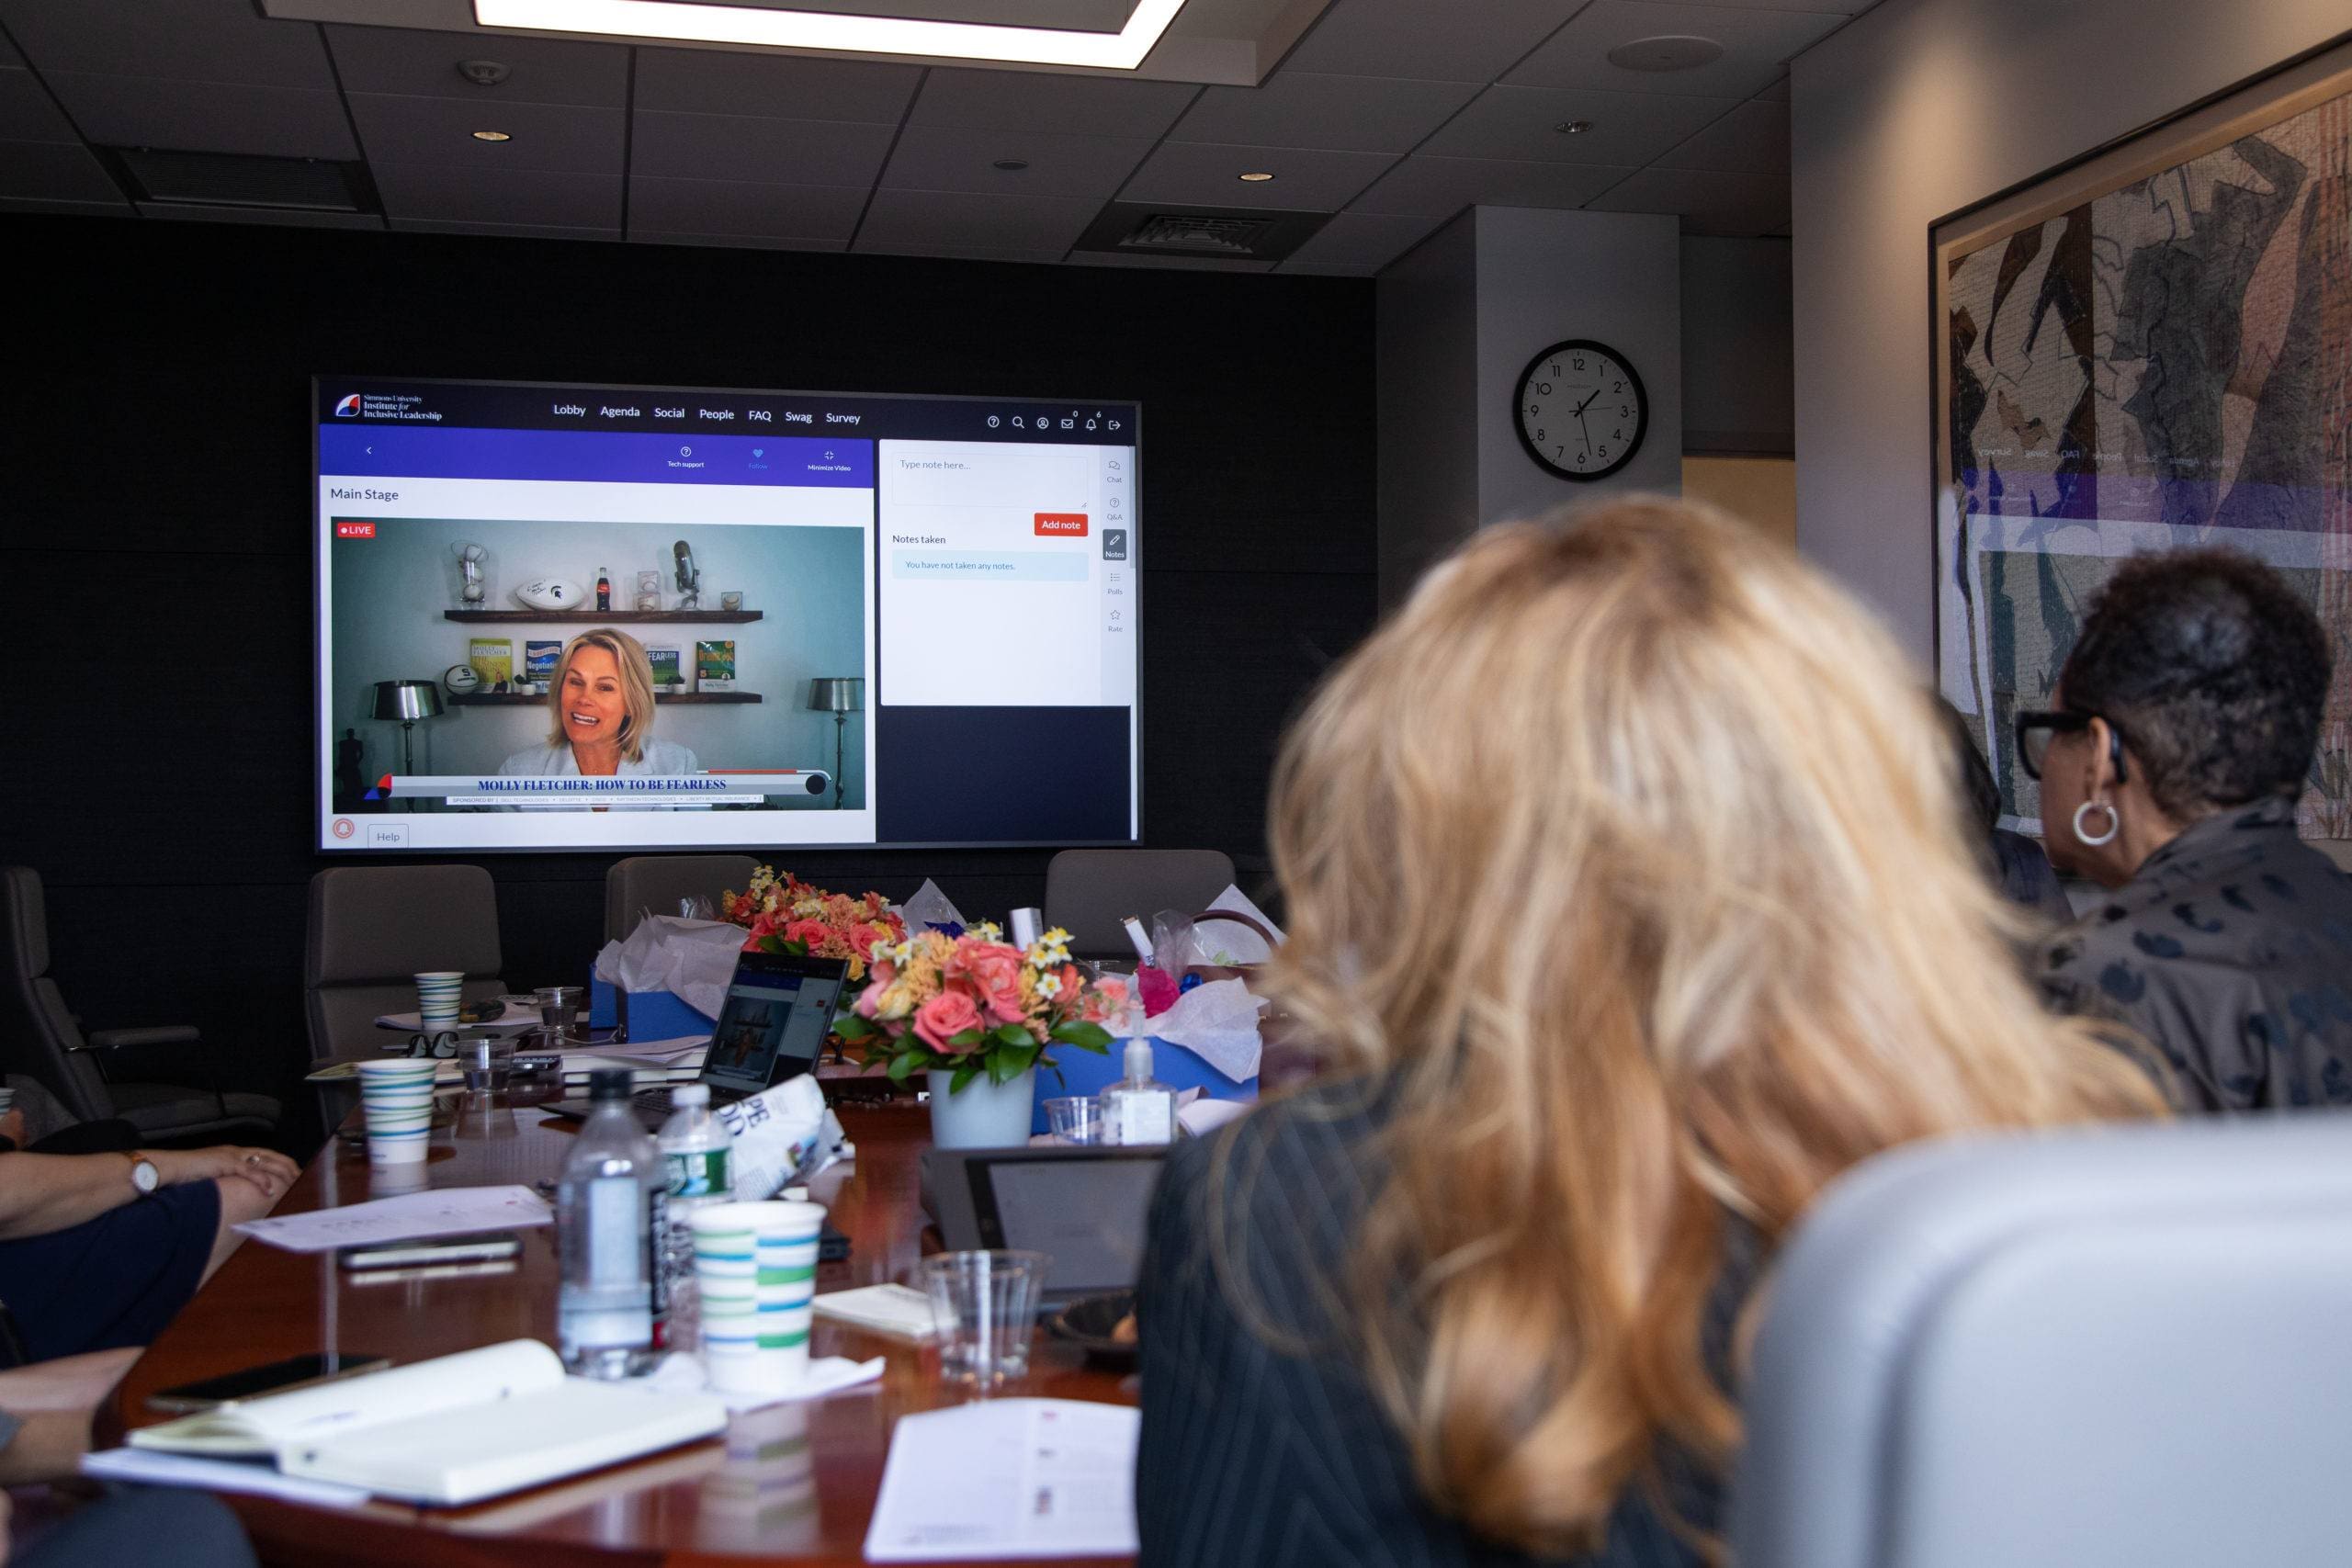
2036	727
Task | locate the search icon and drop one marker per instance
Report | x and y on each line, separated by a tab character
1016	421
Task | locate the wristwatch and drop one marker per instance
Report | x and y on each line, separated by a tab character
144	1175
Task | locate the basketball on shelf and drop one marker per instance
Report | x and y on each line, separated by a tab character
461	679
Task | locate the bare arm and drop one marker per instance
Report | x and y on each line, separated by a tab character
41	1193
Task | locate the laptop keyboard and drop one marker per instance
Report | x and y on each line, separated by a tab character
657	1101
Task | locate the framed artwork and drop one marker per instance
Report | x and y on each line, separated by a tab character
2147	349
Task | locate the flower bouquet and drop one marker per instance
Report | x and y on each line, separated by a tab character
973	1004
784	914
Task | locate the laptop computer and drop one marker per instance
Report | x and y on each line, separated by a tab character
1083	1207
770	1027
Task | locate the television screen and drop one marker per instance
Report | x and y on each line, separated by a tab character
556	617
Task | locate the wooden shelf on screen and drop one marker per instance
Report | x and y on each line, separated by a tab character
518	699
582	617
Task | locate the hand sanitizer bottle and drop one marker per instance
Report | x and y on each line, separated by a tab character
1138	1108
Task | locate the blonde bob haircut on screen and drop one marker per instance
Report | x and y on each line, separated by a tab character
1627	856
636	687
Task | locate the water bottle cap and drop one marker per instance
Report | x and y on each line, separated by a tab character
690	1094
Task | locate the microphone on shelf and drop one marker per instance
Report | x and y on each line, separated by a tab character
689	578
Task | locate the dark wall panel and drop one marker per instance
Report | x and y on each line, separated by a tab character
156	538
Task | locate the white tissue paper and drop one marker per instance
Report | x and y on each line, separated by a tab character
1218	1024
929	907
1229	942
692	960
784	1134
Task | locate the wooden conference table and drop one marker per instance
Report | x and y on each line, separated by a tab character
793	1484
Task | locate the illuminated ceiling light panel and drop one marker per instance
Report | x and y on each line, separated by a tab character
698	23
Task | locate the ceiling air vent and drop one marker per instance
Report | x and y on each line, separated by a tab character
230	179
1212	233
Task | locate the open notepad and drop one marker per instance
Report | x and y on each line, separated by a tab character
451	1430
1003	1478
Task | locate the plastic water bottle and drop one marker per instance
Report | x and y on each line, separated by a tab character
611	1218
699	1153
1138	1108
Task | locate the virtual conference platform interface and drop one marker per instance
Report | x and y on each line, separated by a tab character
651	617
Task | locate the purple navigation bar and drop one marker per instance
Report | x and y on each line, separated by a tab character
606	456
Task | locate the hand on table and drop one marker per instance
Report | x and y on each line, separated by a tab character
267	1169
12	1127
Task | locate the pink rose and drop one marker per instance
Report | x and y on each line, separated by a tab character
994	971
870	1000
810	934
943	1017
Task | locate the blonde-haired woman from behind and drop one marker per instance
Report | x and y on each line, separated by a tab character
1627	892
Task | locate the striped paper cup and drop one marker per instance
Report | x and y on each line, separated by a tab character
437	997
396	1094
755	1264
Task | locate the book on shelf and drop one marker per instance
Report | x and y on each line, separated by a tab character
451	1430
715	664
669	673
540	656
493	662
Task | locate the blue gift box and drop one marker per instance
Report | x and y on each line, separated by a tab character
652	1015
1083	1072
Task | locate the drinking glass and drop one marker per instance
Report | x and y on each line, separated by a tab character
1075	1119
488	1061
985	1305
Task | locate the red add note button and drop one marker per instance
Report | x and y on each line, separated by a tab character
1061	524
355	530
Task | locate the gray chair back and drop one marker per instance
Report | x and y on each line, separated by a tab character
643	884
2115	1349
1089	892
39	1035
373	928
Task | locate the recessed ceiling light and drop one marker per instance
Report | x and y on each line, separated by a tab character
1667	51
696	23
1256	177
1012	165
1573	127
492	136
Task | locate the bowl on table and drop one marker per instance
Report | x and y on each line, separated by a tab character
1095	1325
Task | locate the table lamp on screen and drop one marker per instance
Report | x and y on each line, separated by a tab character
840	695
404	702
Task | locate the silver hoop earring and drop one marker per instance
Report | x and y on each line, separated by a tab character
2114	824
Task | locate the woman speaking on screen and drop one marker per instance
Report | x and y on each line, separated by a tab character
603	699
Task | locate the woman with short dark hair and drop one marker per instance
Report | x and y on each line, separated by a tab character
2183	730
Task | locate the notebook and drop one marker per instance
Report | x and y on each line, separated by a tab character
452	1430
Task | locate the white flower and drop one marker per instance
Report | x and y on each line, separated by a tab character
1049	986
988	931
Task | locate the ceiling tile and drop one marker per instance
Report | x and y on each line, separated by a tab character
1453	41
28	114
188	212
1752	139
424	64
196	41
1043	101
1628	128
558	138
773	86
206	117
54	171
775	152
923	219
9	58
1196	174
1298	109
742	208
964	253
508	231
734	241
940	157
1778	91
1709	202
1165	264
1428	186
448	193
1360	242
1756	42
115	209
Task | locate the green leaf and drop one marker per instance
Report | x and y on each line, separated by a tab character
966	1071
1006	1065
966	1040
1014	1035
855	1029
773	943
1085	1037
902	1066
796	949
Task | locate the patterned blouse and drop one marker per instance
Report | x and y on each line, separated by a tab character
2231	951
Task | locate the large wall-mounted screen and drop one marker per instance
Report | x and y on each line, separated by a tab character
555	617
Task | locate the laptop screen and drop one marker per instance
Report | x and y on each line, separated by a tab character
1087	1215
774	1021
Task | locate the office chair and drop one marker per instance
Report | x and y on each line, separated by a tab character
653	884
1087	892
373	928
42	1039
2123	1347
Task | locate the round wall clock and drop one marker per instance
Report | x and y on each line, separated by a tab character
1579	409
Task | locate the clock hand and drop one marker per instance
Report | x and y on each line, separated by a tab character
1587	404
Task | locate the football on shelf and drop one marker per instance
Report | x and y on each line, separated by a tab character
551	593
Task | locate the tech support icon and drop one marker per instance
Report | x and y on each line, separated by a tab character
348	407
